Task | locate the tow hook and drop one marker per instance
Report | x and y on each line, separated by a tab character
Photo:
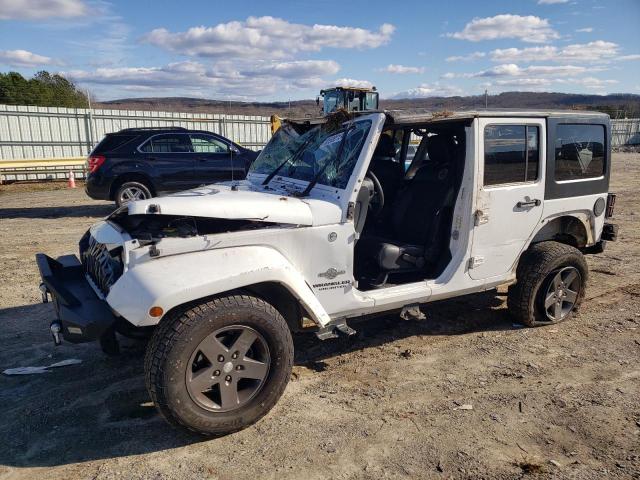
56	328
44	292
334	329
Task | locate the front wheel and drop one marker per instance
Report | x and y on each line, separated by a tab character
551	282
220	366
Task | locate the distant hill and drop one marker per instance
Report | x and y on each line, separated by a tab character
617	105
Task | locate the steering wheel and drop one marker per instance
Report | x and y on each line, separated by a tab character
377	198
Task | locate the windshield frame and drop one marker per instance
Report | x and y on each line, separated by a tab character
341	198
345	129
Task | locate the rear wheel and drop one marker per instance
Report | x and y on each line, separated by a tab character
131	191
551	282
220	366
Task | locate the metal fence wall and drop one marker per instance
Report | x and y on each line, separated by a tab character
625	132
51	132
47	142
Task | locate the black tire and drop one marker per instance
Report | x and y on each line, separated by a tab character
168	362
538	267
126	187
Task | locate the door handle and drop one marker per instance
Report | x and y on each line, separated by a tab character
529	203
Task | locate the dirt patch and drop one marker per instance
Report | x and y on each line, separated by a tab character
562	401
25	187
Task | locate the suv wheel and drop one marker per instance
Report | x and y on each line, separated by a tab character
131	191
220	366
551	284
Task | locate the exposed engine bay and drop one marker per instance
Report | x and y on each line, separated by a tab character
154	227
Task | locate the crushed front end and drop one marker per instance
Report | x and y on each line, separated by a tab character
78	287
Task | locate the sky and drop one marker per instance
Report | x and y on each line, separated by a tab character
278	50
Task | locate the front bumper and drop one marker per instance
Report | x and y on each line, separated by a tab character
83	316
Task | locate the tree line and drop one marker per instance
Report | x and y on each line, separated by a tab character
43	89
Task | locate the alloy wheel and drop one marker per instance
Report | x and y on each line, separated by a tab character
228	368
131	194
562	293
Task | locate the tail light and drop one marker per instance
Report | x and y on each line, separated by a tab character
611	202
95	162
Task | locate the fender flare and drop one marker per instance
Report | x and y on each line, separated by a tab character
584	217
171	281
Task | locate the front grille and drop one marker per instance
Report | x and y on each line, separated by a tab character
102	266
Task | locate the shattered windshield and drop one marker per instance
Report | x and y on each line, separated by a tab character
313	155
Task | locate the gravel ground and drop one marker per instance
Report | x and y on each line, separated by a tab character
561	401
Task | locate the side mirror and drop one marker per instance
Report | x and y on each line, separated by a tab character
317	101
234	149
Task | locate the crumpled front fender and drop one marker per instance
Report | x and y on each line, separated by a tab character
171	281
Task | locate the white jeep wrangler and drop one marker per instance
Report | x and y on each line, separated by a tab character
333	223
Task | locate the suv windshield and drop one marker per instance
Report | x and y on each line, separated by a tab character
312	155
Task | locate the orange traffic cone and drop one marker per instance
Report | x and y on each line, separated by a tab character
71	183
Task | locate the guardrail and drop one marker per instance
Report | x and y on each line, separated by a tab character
42	169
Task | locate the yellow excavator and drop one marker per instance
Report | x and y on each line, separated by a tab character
351	99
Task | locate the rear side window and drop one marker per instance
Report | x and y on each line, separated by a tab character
167	143
112	142
511	154
579	151
207	144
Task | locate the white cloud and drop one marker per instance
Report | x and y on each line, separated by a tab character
513	70
589	82
537	83
401	69
591	52
429	90
466	58
38	9
530	29
551	2
635	56
523	54
296	69
585	30
24	58
222	79
350	82
266	37
532	71
524	82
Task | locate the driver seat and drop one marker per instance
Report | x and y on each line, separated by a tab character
421	214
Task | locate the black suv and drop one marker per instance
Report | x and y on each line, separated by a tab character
139	163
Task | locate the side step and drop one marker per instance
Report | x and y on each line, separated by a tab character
334	330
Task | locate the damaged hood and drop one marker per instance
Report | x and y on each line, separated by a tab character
220	201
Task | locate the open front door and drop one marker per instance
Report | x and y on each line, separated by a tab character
511	171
